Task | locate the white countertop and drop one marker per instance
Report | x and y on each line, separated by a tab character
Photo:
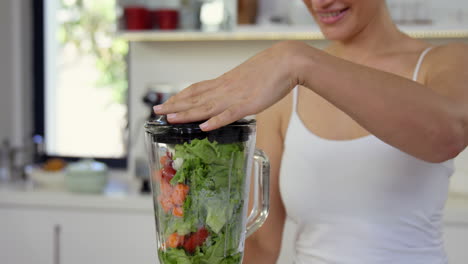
70	201
120	194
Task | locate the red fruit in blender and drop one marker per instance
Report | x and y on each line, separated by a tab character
195	240
168	173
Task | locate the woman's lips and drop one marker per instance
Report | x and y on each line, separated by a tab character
332	17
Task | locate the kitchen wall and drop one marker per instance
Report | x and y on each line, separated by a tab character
15	70
6	80
449	12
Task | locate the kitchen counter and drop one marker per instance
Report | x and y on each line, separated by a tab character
14	196
121	194
40	226
65	200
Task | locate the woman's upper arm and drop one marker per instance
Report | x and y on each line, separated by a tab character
447	74
270	140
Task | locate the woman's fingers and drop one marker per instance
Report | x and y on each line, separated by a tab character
188	98
202	112
228	116
175	105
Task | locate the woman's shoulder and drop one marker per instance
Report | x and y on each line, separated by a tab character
448	57
448	52
452	47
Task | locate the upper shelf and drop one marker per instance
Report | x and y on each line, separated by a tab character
277	33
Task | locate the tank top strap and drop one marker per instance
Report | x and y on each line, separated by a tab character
294	98
418	64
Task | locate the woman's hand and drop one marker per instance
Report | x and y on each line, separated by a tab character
247	89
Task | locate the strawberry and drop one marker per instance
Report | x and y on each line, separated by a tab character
195	240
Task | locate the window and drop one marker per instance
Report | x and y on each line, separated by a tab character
85	83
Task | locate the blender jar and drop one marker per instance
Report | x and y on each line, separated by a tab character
201	185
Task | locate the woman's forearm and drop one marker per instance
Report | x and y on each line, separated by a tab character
403	113
399	111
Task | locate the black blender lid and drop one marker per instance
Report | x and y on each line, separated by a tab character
164	132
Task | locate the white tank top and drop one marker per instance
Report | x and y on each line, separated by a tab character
361	201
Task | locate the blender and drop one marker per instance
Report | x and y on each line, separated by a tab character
201	186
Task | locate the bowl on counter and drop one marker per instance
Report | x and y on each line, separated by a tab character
49	176
47	180
86	176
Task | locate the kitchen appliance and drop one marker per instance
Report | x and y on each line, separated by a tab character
156	94
13	160
201	185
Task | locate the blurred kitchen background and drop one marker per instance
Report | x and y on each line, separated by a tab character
77	82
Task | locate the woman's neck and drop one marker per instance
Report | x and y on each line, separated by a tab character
378	37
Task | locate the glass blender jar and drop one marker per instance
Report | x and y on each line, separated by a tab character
201	184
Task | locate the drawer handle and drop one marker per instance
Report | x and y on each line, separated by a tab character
57	230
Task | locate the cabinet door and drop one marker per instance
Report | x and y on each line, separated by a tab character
107	237
456	240
27	236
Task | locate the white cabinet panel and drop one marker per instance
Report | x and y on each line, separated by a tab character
99	237
45	236
26	237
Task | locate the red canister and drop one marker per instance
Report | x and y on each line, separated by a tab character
136	18
166	19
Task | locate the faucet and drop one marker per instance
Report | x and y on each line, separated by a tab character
13	161
5	161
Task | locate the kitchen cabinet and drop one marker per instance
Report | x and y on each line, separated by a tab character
75	237
26	236
62	228
107	237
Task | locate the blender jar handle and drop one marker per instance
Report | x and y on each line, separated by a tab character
261	194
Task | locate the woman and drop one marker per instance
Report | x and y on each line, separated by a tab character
364	144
